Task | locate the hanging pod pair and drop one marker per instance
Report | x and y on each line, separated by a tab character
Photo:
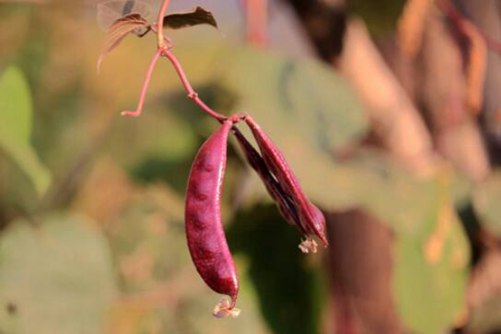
204	229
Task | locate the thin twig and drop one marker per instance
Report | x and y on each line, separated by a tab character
144	89
192	94
256	12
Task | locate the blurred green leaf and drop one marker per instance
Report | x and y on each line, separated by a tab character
486	200
159	146
15	127
299	95
430	275
56	278
382	186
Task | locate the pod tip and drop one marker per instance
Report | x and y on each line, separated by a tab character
224	309
308	245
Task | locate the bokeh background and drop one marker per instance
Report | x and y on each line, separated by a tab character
388	111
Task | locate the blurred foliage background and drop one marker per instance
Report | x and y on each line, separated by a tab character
388	111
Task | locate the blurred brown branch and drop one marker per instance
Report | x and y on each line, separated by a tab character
395	120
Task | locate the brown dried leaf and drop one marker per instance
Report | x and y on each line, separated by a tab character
132	23
189	19
109	11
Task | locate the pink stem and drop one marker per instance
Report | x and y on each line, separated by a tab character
192	94
144	89
160	24
164	50
256	16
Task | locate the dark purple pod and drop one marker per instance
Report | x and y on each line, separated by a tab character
311	218
204	230
284	203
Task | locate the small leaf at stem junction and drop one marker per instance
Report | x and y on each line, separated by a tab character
189	19
132	23
108	12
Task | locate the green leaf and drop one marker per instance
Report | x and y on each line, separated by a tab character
161	146
16	106
486	200
15	127
431	274
295	95
382	186
55	279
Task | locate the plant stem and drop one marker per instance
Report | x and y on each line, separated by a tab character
192	94
257	19
164	49
160	23
144	89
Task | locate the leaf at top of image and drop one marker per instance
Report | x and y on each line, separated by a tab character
108	12
123	26
195	17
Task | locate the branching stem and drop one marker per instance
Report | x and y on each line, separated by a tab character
164	49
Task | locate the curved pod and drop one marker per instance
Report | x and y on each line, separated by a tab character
311	218
284	203
204	230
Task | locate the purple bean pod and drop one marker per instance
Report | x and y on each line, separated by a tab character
283	201
311	218
204	229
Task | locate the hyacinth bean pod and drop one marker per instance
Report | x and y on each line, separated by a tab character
204	230
311	218
284	203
